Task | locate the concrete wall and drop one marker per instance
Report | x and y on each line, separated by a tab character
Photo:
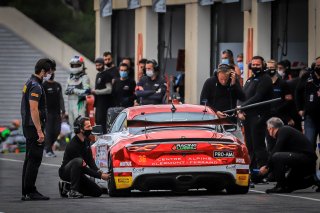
41	39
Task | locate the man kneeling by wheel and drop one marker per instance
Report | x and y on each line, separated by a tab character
78	162
292	160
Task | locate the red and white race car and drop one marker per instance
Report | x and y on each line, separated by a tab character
169	147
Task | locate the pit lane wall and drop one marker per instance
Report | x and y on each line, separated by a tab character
41	39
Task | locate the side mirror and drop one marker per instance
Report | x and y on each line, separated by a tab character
97	130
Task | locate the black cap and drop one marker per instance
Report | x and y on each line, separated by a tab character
99	61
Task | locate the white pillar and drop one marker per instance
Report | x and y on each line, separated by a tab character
197	53
259	18
103	31
146	24
313	31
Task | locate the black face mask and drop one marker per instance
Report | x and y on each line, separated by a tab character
256	70
109	64
317	70
87	133
272	72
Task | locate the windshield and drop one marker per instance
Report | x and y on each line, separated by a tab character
177	116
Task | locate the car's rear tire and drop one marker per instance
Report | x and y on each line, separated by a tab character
236	189
112	190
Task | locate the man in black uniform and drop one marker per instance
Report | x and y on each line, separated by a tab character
257	88
33	112
308	102
102	94
109	65
222	91
78	162
55	111
292	160
152	88
123	88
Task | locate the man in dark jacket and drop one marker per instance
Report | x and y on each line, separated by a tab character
78	162
152	88
257	88
292	160
222	91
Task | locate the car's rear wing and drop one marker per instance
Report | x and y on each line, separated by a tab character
146	123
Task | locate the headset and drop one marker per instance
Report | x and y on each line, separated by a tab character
78	124
155	64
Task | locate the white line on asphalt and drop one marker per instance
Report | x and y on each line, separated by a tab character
286	195
21	161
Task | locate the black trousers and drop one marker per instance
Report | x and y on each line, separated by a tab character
255	129
101	114
74	172
53	127
293	170
32	161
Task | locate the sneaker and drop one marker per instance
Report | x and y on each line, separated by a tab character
73	194
64	188
34	196
50	155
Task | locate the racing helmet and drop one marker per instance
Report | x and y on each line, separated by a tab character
76	64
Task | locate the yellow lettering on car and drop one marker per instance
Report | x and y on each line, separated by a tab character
123	182
242	179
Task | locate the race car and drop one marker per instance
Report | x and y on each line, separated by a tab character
171	147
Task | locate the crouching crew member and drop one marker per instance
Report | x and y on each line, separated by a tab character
78	162
292	160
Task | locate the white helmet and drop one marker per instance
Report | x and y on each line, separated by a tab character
76	65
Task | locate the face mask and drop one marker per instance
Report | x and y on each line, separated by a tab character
109	64
47	78
281	73
87	133
149	73
317	70
240	65
256	70
123	74
272	72
225	61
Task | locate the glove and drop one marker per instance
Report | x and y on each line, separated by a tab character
69	91
88	91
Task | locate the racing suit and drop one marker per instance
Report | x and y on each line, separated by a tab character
78	86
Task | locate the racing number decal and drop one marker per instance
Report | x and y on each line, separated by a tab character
142	159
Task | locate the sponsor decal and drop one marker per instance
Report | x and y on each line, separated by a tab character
240	160
182	161
35	95
126	163
185	147
223	154
232	167
123	182
137	170
24	89
242	179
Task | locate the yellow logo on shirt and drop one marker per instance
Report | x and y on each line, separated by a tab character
24	89
35	95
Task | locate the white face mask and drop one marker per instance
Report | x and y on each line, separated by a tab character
47	78
149	73
281	73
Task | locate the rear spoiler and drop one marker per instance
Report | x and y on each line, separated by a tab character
144	123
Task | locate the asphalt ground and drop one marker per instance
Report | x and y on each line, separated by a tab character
159	201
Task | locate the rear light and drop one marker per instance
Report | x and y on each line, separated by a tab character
141	148
224	146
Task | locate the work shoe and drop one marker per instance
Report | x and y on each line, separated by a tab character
73	194
64	188
34	196
278	189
